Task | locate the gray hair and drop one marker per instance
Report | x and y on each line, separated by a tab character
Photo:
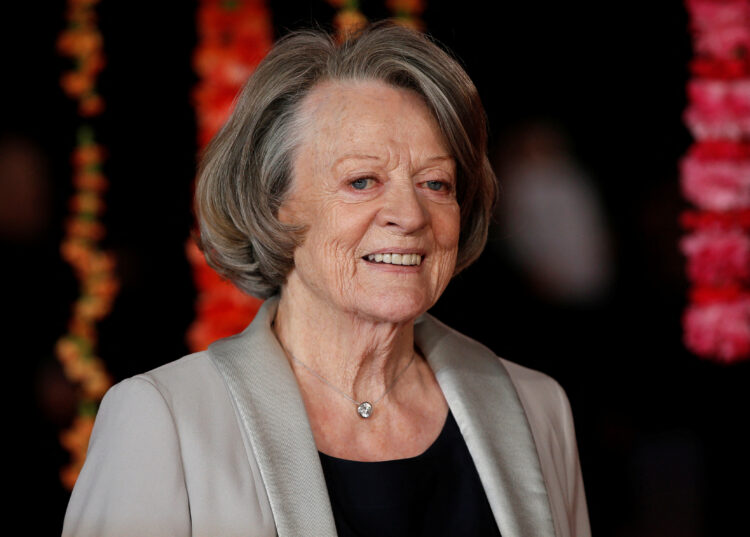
246	170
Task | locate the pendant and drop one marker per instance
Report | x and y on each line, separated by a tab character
364	409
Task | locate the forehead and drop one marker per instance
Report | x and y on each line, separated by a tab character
360	114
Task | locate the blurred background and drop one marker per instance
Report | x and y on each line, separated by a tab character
581	279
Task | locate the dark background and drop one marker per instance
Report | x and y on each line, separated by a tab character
659	431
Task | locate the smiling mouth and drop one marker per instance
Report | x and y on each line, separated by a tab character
395	259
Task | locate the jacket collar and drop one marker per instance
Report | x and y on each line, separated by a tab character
474	382
492	420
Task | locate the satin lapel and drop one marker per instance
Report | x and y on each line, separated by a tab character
493	423
267	397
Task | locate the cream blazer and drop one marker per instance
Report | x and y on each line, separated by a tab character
217	444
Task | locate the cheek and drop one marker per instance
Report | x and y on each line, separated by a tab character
445	266
448	229
447	232
330	248
332	230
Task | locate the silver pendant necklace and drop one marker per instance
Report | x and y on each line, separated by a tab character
364	408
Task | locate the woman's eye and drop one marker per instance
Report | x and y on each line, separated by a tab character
437	185
361	183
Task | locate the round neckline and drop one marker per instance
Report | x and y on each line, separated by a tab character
432	447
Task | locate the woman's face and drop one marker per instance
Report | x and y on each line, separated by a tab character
375	185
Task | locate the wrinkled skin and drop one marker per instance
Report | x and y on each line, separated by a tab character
405	199
371	174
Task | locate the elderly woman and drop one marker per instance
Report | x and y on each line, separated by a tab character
349	186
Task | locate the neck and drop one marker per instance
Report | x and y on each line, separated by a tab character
360	356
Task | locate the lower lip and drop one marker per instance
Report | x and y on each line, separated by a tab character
387	267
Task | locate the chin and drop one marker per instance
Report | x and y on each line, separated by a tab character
398	306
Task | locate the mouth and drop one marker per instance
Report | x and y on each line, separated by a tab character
392	258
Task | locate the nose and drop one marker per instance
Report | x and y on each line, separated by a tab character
403	210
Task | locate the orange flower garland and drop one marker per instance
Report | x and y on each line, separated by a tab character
93	267
233	36
348	19
407	12
82	42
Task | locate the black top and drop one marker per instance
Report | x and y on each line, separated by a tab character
437	493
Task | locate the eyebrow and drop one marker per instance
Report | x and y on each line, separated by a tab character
363	156
440	157
350	156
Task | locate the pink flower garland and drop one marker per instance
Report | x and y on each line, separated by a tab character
233	37
719	109
715	177
717	257
716	182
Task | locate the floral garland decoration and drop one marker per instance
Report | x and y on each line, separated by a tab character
407	12
233	37
715	178
348	19
94	268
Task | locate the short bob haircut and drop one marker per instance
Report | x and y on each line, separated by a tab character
246	170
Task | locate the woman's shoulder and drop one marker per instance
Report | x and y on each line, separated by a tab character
161	386
187	374
192	377
187	396
551	421
147	458
435	333
190	389
542	396
530	380
180	388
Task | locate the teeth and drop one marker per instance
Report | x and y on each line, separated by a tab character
396	259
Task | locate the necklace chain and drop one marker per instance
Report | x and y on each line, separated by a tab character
364	408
